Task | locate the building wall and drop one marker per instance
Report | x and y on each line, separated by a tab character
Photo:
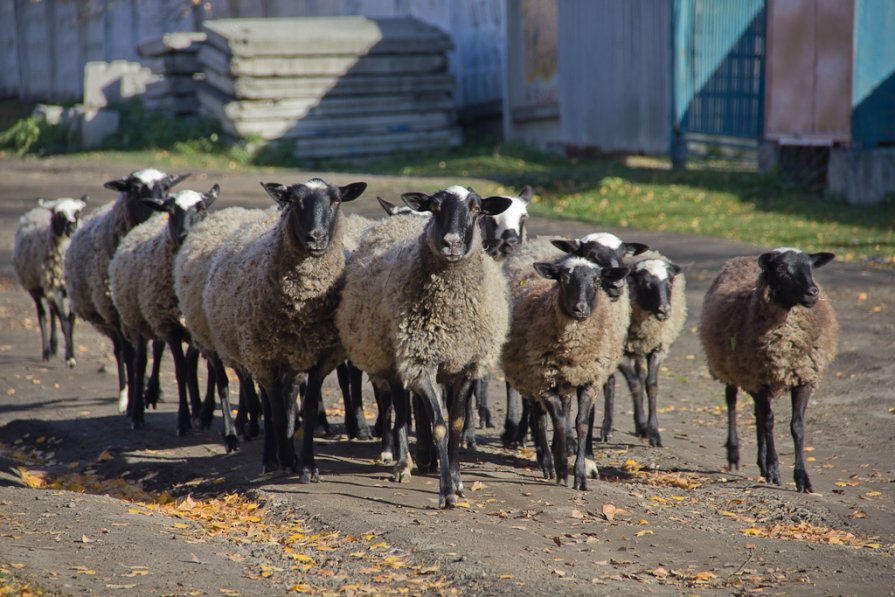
44	45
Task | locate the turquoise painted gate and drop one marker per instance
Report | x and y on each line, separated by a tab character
718	65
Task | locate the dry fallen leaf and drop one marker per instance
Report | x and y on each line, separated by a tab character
702	577
659	572
478	486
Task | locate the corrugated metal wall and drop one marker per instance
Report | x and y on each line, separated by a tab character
44	44
873	94
615	74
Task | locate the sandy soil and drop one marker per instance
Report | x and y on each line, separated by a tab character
661	520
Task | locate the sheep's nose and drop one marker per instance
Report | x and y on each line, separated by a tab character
812	291
663	312
452	241
512	241
581	309
317	235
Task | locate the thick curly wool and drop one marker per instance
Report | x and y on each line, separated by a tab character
37	256
194	260
353	227
647	334
405	313
129	268
752	343
277	301
519	267
548	350
86	266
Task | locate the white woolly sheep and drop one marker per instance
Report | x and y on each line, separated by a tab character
87	265
767	328
439	316
190	275
565	339
277	294
141	279
42	238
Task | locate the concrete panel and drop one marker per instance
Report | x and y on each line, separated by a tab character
324	35
352	146
862	177
172	43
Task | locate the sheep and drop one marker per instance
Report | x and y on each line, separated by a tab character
41	240
767	327
141	279
439	316
190	275
565	339
602	248
658	312
277	294
86	266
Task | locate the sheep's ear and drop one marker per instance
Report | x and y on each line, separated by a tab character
632	249
212	194
352	191
614	274
492	206
567	246
526	194
277	192
390	208
121	185
417	201
821	259
45	203
547	270
170	181
674	269
764	260
84	199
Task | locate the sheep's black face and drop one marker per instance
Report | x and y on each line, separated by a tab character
502	235
140	186
62	225
185	210
451	232
579	282
790	278
652	281
65	214
313	208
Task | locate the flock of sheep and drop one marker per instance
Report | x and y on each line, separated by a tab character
427	302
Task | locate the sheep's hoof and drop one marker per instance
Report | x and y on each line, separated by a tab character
309	474
447	501
803	484
581	483
122	401
402	472
364	434
773	475
386	457
254	428
71	362
270	465
45	355
205	418
231	442
733	456
655	440
485	418
137	424
469	443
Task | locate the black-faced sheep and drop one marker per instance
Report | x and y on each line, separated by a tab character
88	256
191	269
768	328
438	315
275	297
42	238
141	279
565	340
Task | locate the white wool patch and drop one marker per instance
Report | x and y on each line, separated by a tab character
656	267
186	199
785	250
458	191
511	218
65	205
604	238
149	175
315	183
571	263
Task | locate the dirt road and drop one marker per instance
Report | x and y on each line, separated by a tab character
150	513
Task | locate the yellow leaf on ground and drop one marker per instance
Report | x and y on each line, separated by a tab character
872	494
642	533
300	589
505	576
752	532
134	573
105	456
704	576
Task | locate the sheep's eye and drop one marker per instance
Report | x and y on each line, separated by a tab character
474	209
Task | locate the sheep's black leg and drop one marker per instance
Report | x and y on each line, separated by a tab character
344	378
462	396
218	374
582	426
571	437
122	360
382	395
137	373
426	455
403	462
733	439
309	406
249	404
481	398
192	385
608	407
589	452
205	417
800	396
54	337
66	322
153	386
467	437
431	400
269	460
538	415
282	419
514	424
767	455
356	377
557	408
37	297
175	343
652	391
